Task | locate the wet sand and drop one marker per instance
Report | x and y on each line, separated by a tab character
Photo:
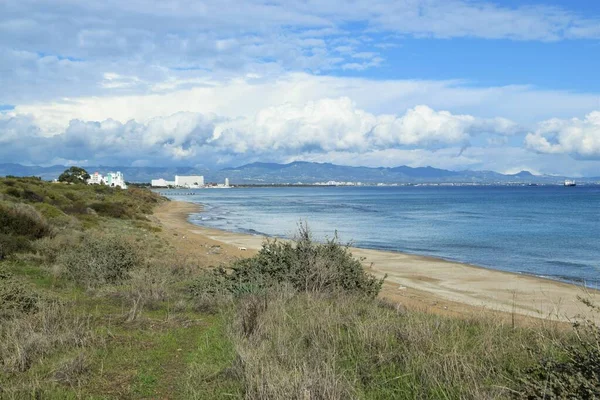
415	282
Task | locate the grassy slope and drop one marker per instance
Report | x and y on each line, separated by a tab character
148	357
145	337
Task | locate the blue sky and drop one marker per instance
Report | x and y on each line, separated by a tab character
457	84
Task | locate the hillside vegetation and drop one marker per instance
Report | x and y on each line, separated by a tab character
95	302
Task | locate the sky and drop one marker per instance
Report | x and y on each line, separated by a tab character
457	84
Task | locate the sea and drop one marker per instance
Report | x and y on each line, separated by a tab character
547	231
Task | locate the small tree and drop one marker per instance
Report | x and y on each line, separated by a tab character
74	175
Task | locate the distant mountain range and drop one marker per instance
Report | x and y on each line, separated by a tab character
305	173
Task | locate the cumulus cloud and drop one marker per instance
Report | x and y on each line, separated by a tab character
247	95
323	126
578	137
338	125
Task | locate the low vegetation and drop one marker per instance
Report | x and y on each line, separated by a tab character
305	265
95	303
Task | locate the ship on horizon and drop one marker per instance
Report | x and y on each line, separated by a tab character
570	183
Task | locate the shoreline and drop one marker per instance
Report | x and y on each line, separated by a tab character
421	282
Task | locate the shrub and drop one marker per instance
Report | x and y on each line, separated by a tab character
51	248
100	259
16	297
575	375
11	244
49	211
13	191
23	220
306	265
147	288
111	209
30	195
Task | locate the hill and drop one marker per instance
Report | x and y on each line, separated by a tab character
304	172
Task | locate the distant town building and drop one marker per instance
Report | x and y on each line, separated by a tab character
193	181
113	179
188	182
95	179
162	183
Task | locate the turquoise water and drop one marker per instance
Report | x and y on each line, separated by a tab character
545	231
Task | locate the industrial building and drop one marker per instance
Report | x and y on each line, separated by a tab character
162	183
188	182
192	181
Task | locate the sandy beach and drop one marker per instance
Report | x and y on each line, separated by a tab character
414	282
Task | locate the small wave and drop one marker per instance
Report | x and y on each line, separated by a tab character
472	246
253	232
567	264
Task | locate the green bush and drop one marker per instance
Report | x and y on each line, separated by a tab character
49	211
51	248
19	224
304	264
100	259
13	191
111	209
30	195
576	375
23	220
15	297
11	244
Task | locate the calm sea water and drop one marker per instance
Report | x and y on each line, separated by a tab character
546	231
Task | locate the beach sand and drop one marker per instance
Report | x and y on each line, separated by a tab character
414	282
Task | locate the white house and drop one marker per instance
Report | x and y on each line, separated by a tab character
113	179
95	179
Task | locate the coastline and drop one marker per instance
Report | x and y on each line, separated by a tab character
418	282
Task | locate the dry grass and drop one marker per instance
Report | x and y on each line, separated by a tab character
29	339
100	259
16	297
318	346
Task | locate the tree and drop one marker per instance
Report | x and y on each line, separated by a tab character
74	175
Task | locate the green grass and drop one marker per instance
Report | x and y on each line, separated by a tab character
211	365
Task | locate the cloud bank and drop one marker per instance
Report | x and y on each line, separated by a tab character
327	125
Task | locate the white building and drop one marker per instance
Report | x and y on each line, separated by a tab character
115	179
95	179
162	183
192	181
112	179
226	182
189	182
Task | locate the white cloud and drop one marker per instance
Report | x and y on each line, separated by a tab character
323	126
246	96
578	137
